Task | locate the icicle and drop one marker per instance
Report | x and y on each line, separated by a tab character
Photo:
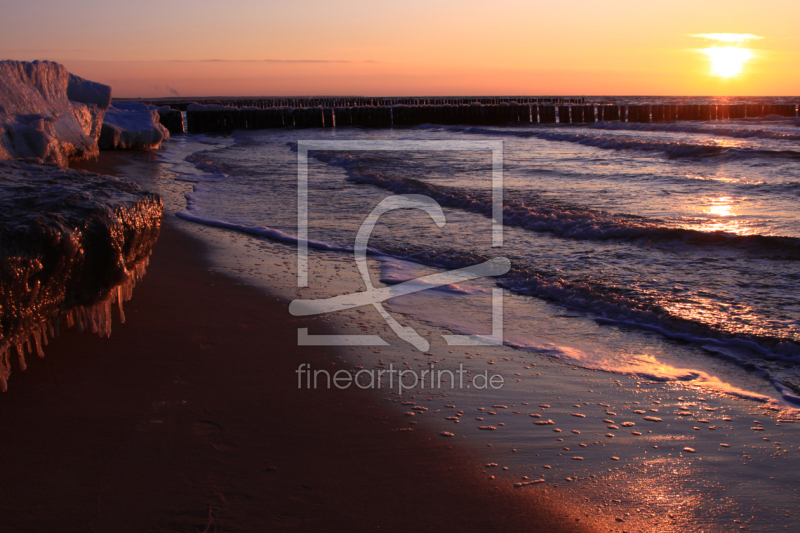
5	368
21	352
79	318
91	324
97	318
37	332
105	317
93	319
119	302
109	319
100	311
127	288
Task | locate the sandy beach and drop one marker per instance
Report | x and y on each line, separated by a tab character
189	419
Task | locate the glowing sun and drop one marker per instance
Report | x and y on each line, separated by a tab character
727	61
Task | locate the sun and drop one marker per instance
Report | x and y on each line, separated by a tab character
727	61
729	58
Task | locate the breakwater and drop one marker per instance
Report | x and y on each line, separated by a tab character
383	113
182	104
172	119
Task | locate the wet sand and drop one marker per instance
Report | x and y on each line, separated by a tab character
189	419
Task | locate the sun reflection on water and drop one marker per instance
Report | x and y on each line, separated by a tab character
718	213
721	207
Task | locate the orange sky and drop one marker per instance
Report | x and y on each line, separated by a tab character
433	47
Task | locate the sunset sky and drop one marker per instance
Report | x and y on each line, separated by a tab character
431	47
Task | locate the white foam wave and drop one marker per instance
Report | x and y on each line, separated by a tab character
673	149
394	271
704	128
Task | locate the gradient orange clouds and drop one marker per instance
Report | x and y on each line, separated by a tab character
433	47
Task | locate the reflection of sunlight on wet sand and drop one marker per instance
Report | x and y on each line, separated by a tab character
660	491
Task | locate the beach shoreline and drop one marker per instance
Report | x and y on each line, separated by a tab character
188	418
192	416
627	479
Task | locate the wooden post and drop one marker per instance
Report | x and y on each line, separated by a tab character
563	114
577	114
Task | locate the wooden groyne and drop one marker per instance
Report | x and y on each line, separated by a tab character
217	117
266	103
172	119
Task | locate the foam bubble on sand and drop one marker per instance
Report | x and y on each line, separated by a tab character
526	483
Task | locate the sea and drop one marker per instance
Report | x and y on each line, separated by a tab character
690	230
664	255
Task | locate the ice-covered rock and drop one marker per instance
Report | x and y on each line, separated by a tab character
48	113
71	243
132	125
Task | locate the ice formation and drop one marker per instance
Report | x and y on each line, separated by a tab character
95	318
72	243
48	113
132	125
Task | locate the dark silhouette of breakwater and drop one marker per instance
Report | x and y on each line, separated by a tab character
172	119
221	115
265	103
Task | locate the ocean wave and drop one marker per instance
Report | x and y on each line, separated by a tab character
610	305
787	187
606	304
195	213
567	221
703	128
674	149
